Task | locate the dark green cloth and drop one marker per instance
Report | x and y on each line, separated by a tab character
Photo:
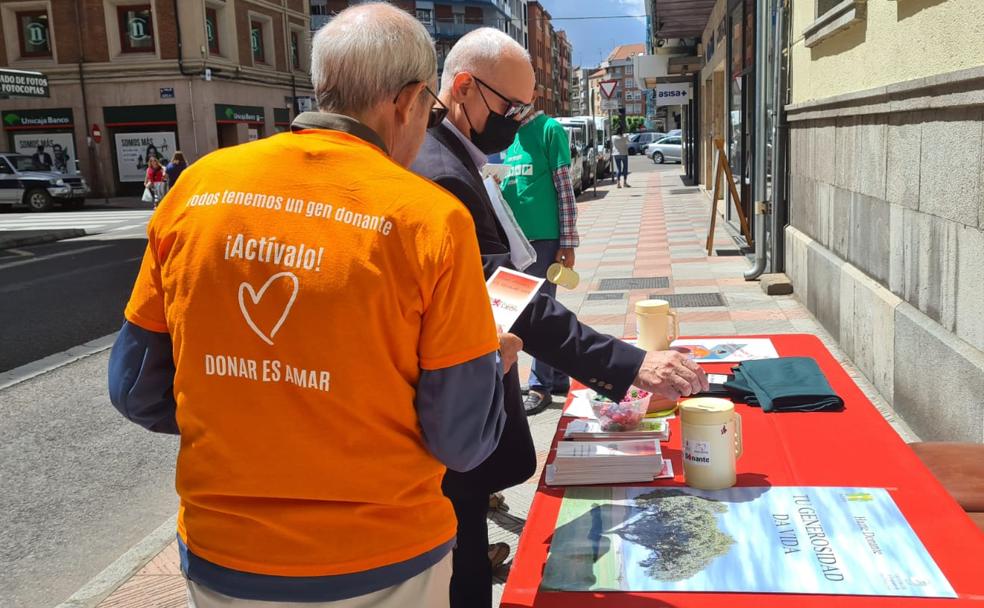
787	384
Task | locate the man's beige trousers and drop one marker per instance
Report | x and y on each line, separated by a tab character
429	589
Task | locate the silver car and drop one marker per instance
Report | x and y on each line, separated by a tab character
24	182
668	148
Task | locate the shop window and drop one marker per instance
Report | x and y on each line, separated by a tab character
33	31
832	17
212	30
136	23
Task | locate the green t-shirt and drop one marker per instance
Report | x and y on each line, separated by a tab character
540	148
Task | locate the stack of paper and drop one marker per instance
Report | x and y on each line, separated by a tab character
604	462
590	430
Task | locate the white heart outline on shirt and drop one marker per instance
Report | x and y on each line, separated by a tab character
256	296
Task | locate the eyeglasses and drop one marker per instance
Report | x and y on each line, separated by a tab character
437	114
515	110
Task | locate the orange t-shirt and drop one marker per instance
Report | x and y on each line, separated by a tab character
305	280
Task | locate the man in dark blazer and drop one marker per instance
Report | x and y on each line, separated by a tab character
488	86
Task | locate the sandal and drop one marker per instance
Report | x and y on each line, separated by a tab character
498	552
497	502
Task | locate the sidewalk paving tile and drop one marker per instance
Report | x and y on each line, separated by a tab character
639	232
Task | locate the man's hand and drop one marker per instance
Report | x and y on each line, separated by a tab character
565	256
509	347
671	374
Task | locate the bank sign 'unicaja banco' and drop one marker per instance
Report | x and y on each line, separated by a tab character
15	83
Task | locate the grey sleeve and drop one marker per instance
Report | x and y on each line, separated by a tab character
461	412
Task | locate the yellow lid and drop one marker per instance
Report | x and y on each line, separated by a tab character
706	410
652	307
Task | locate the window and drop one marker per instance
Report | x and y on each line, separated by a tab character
444	12
295	49
425	16
473	15
32	28
833	17
212	29
136	28
256	41
825	6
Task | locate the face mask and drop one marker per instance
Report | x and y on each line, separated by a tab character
498	134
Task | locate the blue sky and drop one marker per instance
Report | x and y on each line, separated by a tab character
593	39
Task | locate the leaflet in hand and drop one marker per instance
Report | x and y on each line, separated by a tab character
510	293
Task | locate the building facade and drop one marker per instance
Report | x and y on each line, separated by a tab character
885	240
551	54
618	67
129	80
446	21
873	205
581	99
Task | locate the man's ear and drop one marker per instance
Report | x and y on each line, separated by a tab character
406	102
462	86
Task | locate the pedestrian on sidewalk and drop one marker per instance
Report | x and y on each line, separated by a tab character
174	168
488	88
312	319
540	193
620	149
154	181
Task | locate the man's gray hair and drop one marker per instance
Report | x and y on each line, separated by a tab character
478	51
368	53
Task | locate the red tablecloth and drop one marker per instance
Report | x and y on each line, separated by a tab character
855	447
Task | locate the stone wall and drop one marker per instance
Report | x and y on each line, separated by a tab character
886	241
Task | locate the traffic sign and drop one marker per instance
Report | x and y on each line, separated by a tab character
608	87
611	104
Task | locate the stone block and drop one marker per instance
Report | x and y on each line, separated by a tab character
824	152
970	286
798	161
871	157
823	298
777	284
846	162
904	140
896	253
825	212
871	236
797	246
868	327
803	204
950	161
841	226
939	380
924	270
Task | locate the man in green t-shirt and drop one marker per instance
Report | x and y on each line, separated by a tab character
539	191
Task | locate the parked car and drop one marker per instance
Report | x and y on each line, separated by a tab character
639	141
585	128
675	133
577	159
24	182
668	148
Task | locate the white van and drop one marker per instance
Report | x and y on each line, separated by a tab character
585	125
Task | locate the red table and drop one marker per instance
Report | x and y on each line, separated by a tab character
855	447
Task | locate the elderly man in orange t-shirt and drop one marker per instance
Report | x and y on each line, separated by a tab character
312	319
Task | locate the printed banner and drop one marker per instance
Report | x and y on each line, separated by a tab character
57	150
842	541
133	150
